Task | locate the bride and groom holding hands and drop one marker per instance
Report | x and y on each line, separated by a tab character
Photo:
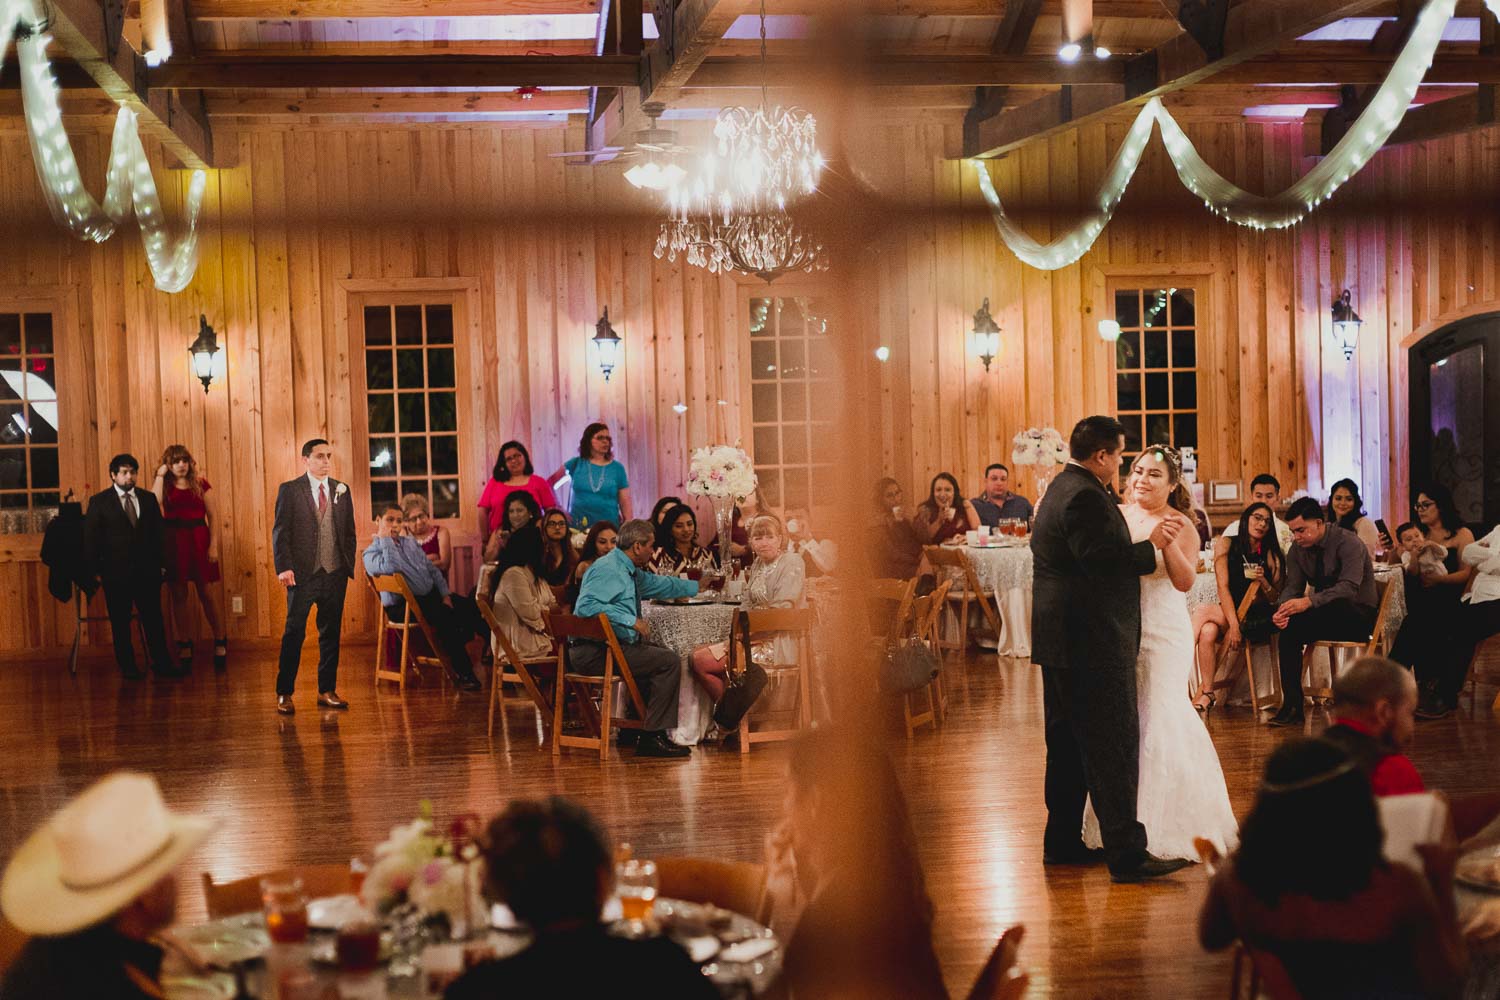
1132	775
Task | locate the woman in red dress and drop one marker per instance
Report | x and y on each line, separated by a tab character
192	540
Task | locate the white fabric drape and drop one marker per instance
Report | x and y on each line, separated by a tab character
1364	137
129	185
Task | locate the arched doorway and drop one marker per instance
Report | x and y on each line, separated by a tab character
1455	414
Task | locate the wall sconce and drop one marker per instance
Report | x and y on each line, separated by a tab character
1346	324
606	345
1109	330
984	339
207	355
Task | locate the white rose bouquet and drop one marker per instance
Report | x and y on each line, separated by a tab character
1038	447
433	873
721	472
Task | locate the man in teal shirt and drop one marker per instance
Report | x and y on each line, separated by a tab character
615	586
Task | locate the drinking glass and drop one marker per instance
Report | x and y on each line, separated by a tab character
636	882
358	945
358	869
285	907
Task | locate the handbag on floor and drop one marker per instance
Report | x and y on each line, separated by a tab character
742	689
907	665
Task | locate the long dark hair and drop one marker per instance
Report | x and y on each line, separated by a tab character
1179	499
526	548
661	507
1448	515
526	500
1358	512
664	539
560	568
585	446
500	473
1270	546
590	551
1310	784
930	505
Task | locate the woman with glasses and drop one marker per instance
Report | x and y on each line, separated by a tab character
1347	510
437	545
513	471
1425	642
1251	557
601	489
559	558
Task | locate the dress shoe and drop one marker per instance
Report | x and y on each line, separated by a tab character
1077	854
1288	717
284	704
132	673
331	699
1149	868
468	682
1433	708
627	737
657	745
168	672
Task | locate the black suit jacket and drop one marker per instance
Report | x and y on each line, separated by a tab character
1086	597
294	535
115	550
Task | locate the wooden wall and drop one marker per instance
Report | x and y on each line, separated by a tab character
309	215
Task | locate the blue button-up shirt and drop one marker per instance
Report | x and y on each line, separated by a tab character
990	513
615	586
403	555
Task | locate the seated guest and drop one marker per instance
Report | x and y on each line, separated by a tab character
677	548
820	555
600	541
1346	509
897	548
852	935
1250	557
521	509
997	500
433	538
1266	488
1337	566
391	551
522	597
1477	619
660	510
513	471
615	586
945	513
549	862
777	579
1342	922
561	557
93	886
1373	705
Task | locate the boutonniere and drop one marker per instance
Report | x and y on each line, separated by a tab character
338	491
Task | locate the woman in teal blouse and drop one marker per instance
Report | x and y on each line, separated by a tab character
601	490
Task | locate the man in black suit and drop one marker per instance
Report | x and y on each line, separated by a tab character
313	545
122	544
1086	636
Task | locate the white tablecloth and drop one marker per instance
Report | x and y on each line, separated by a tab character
1005	571
682	628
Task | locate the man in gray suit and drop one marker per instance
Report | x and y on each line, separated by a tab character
313	545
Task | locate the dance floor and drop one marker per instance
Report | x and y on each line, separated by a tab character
326	786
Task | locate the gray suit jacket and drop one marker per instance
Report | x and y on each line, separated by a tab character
294	536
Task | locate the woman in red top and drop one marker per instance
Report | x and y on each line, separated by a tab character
945	513
192	542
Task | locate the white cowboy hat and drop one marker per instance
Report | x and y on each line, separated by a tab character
97	854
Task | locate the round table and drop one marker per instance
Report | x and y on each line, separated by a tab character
682	628
1005	571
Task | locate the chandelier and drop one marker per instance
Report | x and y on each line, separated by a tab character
772	155
766	244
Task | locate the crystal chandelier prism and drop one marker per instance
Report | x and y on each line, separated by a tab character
765	244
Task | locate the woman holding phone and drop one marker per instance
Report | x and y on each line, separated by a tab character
945	514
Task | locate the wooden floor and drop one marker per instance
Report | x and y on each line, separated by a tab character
323	787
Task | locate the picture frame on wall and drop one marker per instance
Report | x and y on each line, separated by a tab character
1224	491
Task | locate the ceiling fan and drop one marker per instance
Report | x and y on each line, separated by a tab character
653	155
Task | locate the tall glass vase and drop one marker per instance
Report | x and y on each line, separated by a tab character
724	525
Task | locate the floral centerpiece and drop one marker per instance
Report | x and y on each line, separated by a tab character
431	874
725	475
1044	447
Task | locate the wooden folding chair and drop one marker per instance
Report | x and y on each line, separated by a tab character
242	895
395	583
926	612
796	623
513	668
966	589
599	721
1471	677
731	885
1365	647
898	594
1227	683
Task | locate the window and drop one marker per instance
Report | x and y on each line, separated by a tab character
28	411
1156	368
792	402
412	404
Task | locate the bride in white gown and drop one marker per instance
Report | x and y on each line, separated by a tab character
1181	790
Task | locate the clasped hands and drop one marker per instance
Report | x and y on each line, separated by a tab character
1167	530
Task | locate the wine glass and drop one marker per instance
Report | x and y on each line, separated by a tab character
636	884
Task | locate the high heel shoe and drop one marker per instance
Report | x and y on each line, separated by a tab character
221	654
184	656
1205	709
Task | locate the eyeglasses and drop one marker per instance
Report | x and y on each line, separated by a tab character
1423	505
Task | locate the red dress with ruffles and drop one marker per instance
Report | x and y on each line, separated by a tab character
185	516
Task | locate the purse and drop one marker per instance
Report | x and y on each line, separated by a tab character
742	689
908	665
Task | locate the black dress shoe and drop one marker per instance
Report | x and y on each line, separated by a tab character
627	737
1149	868
657	745
467	682
132	673
1433	708
1074	855
1288	717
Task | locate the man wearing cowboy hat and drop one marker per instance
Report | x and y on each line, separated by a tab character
91	887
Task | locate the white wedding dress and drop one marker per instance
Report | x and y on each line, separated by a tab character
1181	790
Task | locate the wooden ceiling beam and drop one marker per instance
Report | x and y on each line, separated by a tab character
381	104
340	10
1010	39
1363	69
892	70
396	72
91	36
1253	28
1451	117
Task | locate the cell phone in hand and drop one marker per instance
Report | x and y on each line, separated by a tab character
1385	533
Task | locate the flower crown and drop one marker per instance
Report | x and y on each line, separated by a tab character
1167	454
